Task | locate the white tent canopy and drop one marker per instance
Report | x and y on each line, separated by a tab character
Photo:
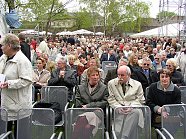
83	31
166	30
30	32
44	32
65	33
99	33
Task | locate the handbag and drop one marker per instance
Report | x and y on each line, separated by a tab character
55	106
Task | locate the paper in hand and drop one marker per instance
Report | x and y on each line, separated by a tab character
2	78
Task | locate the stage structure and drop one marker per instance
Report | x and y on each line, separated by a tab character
179	8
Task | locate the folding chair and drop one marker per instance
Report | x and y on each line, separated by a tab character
72	116
3	124
38	125
56	94
108	64
146	92
140	119
175	121
183	94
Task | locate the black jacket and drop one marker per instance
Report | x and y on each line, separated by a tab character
153	77
157	97
25	48
69	79
177	78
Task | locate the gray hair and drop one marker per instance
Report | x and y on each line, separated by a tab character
146	59
124	60
12	40
62	59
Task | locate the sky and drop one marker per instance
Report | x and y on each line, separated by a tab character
154	6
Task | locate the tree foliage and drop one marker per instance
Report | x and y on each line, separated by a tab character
43	11
165	14
117	13
83	19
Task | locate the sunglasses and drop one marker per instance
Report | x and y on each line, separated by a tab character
157	58
146	64
168	65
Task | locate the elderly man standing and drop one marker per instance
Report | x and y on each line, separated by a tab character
124	91
16	90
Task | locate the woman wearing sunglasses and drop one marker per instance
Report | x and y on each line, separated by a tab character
176	76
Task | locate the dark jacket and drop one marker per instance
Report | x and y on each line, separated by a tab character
153	77
111	74
104	57
69	79
1	52
177	78
25	48
96	99
156	97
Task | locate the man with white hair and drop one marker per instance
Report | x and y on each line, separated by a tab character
63	76
124	91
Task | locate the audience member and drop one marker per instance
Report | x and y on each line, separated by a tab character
63	76
91	94
40	76
161	93
16	91
25	47
176	76
124	91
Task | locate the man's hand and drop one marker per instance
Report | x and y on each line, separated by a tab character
84	106
124	110
62	74
4	85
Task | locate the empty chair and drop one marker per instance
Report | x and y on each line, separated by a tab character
84	123
183	94
39	125
3	125
3	121
57	94
108	64
173	119
137	118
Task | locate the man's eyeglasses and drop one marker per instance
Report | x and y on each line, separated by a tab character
168	65
145	64
157	58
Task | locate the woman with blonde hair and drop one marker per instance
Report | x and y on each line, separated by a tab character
176	76
133	61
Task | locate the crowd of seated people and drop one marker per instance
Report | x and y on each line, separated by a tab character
145	62
140	63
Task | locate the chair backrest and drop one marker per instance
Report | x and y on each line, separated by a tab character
39	125
55	94
3	120
94	117
175	121
146	92
108	64
183	94
137	118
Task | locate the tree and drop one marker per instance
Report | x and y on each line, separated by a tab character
11	4
119	12
83	19
44	11
165	15
94	7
